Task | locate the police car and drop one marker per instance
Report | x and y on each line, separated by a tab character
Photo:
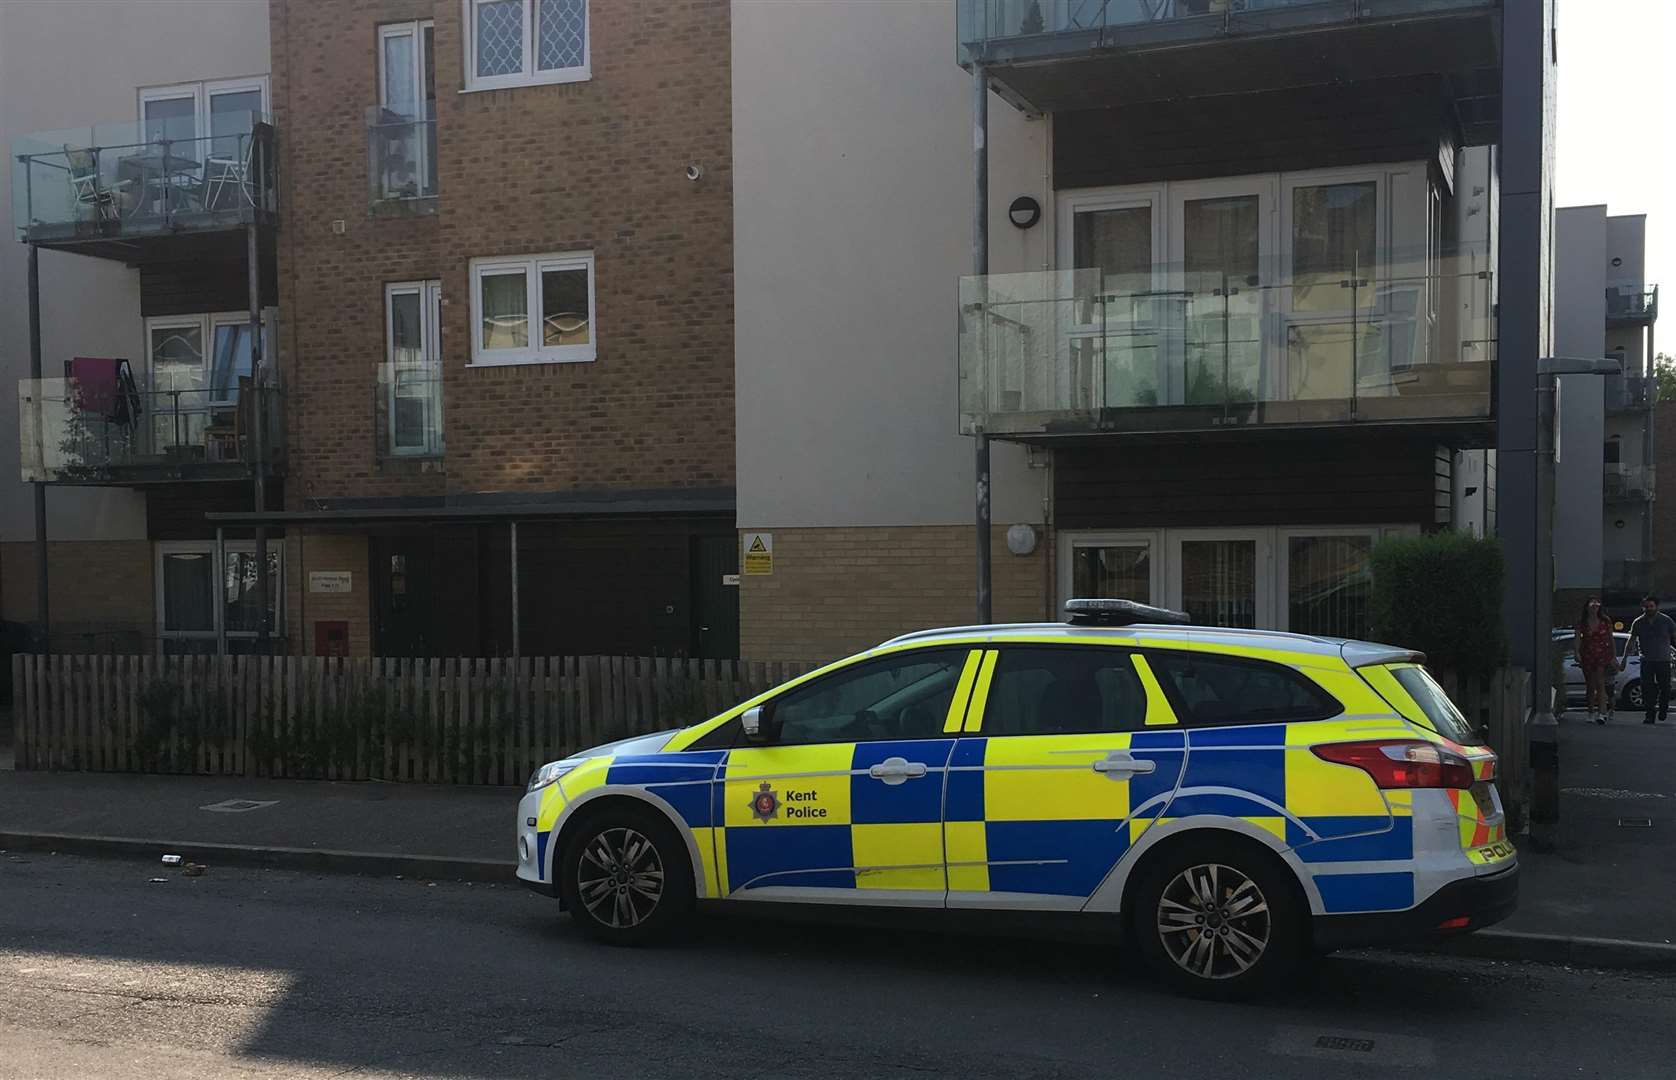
1230	800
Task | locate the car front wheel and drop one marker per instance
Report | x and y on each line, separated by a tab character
1218	919
624	876
1632	696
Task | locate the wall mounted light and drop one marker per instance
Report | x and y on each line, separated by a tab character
1024	212
1021	539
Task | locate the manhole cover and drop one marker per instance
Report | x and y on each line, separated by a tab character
1339	1042
236	806
1635	822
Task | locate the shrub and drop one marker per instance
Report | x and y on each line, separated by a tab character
1441	593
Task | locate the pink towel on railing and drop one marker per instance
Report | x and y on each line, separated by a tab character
96	384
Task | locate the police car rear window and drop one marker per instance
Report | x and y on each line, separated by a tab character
1445	719
1211	689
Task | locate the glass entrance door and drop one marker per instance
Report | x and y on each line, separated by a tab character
1114	565
1222	246
1224	579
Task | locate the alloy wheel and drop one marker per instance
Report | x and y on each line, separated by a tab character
1214	921
619	878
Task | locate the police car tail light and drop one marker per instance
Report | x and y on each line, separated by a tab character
1402	763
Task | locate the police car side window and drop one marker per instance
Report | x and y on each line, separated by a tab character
1064	691
898	697
1211	689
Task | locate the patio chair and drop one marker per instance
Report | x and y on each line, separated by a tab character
86	189
220	173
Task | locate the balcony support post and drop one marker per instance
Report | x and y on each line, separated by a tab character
258	409
43	619
1649	391
1524	405
980	267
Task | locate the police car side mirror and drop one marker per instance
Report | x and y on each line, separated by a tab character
751	722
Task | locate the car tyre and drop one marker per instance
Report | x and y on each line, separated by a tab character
1631	697
1219	919
625	877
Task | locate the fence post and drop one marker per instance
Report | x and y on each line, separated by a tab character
20	715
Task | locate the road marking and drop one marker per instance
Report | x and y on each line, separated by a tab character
1345	1045
1611	793
237	806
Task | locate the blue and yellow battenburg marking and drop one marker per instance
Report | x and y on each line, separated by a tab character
972	813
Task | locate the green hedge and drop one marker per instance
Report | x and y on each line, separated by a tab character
1441	593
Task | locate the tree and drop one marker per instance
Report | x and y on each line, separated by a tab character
1664	374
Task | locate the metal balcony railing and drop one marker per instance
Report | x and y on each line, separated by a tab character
1629	575
1100	23
402	157
1632	303
1168	348
1630	393
407	411
67	433
1628	482
129	180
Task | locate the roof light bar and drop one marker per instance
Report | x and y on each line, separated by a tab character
1108	612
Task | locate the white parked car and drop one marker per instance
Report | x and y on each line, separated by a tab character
1626	686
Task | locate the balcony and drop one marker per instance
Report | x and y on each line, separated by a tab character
407	413
71	431
1628	575
98	190
402	160
1053	55
1630	393
1078	353
1622	482
1631	304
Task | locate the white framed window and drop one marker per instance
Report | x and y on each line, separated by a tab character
194	367
199	596
1306	579
525	42
535	309
411	384
215	116
406	150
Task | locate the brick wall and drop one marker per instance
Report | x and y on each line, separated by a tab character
312	551
596	165
102	592
836	591
1664	502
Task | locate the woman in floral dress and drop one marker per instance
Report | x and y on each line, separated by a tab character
1598	657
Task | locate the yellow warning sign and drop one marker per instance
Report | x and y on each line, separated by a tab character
759	553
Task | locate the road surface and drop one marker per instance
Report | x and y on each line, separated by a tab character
252	973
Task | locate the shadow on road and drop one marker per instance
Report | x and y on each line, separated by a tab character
494	982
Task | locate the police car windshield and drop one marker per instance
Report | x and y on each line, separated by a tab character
1446	720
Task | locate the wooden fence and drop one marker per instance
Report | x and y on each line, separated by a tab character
459	721
1499	705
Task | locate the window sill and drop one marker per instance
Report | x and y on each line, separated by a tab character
528	361
542	78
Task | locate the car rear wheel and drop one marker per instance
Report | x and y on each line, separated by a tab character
1218	919
625	877
1632	696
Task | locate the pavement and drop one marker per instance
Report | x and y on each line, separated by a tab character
1600	898
276	973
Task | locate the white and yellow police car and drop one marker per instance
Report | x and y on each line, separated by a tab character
1231	799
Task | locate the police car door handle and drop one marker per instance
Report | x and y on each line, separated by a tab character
1119	764
896	770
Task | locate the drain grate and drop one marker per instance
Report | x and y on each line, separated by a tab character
1339	1042
1635	823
